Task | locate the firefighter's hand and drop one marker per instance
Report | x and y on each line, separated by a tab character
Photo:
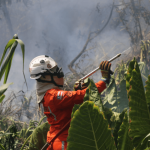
80	86
105	70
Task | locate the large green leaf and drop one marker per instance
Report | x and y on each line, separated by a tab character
89	129
8	59
8	69
144	71
9	44
117	96
143	68
39	136
147	87
23	53
4	87
138	109
124	141
111	93
117	126
93	95
12	44
22	48
122	98
121	71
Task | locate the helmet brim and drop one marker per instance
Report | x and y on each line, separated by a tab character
35	77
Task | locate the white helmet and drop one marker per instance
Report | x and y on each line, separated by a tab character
40	65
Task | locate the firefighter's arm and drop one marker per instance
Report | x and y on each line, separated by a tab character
101	85
106	75
64	99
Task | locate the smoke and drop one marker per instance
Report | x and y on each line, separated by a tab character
59	29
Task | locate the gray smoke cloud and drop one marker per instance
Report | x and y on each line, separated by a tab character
59	29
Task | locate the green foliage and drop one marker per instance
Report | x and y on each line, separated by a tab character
89	129
124	141
147	87
148	148
115	94
6	64
5	68
120	72
144	71
3	88
9	44
87	81
2	148
14	135
93	95
38	137
1	98
7	137
139	103
111	93
117	127
144	50
138	113
122	98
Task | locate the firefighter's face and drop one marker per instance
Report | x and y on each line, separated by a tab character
59	81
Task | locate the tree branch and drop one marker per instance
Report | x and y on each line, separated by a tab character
70	66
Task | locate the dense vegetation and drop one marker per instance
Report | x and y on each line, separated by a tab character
95	126
116	119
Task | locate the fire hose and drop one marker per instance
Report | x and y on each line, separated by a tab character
68	123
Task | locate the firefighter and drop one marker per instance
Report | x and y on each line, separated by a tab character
58	103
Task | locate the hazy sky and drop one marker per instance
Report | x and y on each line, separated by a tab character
59	28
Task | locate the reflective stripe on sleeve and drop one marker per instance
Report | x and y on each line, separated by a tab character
60	95
63	145
52	113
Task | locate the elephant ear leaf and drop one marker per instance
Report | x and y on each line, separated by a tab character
124	141
89	129
138	109
111	93
122	97
117	126
147	87
93	95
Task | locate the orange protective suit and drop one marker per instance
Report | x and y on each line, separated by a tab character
58	106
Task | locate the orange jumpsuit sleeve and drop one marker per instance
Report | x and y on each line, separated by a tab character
64	99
